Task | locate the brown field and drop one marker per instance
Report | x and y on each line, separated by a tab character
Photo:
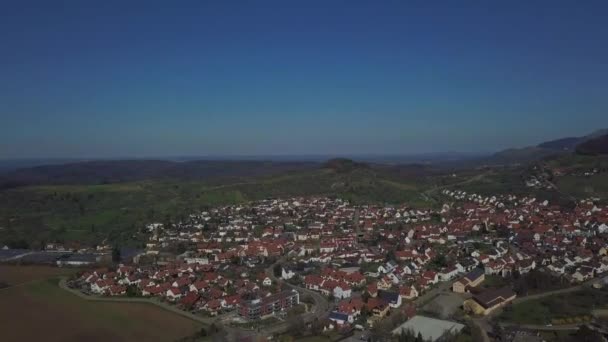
41	310
16	275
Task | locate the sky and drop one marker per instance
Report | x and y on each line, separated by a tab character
199	78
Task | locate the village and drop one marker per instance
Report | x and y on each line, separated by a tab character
343	267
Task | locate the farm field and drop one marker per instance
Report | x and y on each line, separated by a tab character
58	315
17	275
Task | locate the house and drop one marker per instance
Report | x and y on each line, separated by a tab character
213	306
101	286
387	267
267	282
378	308
489	300
189	300
287	273
385	283
448	274
117	290
173	294
472	279
431	277
351	306
392	298
341	318
342	291
408	292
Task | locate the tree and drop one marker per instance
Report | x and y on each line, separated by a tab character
585	334
116	255
390	255
296	325
365	297
132	291
476	333
277	270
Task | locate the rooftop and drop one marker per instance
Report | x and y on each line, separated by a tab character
430	328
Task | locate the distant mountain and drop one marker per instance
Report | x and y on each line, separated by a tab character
543	150
595	146
115	171
570	143
344	165
564	144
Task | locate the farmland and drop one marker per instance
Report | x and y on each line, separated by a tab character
61	316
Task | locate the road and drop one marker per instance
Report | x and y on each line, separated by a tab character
321	308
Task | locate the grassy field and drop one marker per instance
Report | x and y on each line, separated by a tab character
58	315
558	307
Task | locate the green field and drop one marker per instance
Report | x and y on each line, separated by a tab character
558	307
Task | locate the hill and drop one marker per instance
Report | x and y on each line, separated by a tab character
552	148
564	144
344	165
595	146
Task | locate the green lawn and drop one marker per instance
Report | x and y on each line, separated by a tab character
494	281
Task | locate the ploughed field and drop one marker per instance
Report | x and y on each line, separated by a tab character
36	308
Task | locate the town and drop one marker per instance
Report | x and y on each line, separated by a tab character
317	265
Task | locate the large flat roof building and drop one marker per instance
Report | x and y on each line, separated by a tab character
431	329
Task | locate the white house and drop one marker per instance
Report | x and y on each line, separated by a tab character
342	293
287	274
173	294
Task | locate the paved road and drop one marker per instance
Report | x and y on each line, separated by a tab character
561	327
321	308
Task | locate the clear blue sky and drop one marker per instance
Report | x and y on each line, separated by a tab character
102	78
